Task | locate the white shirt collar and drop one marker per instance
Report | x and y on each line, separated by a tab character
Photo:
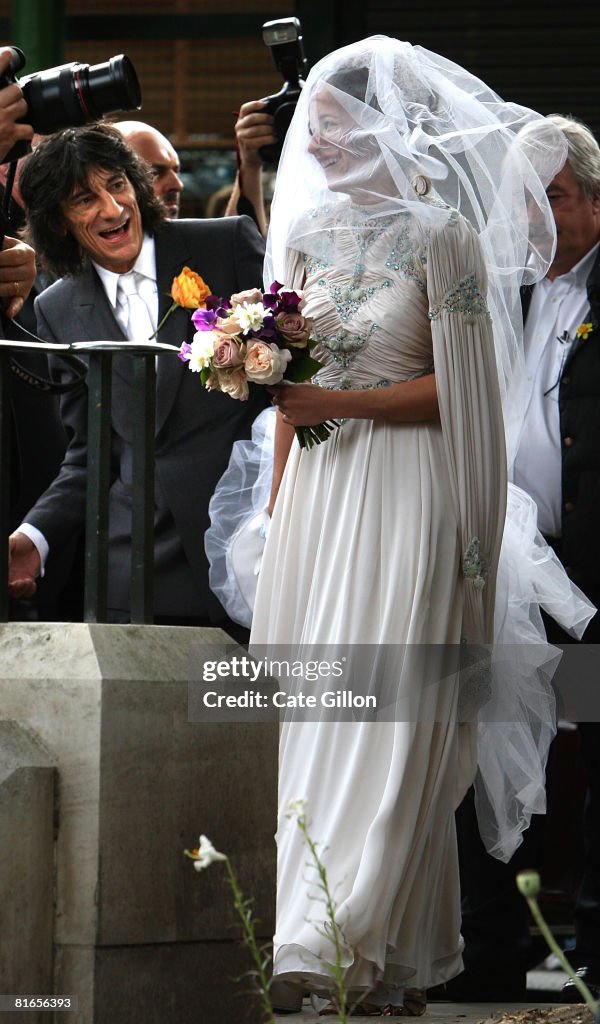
577	276
145	265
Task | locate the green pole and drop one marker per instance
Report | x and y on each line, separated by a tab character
38	28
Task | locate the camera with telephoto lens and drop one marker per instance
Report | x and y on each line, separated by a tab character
72	94
284	39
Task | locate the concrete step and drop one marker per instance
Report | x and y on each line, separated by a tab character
436	1013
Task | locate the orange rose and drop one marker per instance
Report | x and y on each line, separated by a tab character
189	289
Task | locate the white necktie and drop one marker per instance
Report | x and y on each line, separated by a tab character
134	313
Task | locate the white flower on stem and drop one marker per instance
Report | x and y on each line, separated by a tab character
296	808
250	315
206	854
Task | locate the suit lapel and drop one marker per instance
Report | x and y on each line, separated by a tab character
171	257
592	315
95	318
93	310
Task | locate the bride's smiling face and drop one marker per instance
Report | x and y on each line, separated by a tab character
331	142
348	152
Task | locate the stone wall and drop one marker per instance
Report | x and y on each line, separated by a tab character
137	932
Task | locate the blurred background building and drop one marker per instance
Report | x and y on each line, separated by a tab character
198	60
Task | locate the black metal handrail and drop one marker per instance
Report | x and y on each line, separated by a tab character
100	354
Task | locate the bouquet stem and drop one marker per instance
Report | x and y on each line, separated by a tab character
309	436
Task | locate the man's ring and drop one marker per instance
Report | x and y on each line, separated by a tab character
16	287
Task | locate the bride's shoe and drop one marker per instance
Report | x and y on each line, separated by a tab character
328	1007
414	1005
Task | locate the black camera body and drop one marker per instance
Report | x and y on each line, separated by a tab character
284	39
72	94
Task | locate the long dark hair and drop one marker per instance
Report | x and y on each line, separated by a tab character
60	164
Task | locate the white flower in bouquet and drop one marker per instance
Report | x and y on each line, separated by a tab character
250	316
201	350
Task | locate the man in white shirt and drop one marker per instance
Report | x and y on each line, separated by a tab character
558	463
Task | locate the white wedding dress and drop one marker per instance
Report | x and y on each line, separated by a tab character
386	534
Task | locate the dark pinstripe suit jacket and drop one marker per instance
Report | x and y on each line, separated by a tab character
195	429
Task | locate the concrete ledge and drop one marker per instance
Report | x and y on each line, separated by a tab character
138	783
27	784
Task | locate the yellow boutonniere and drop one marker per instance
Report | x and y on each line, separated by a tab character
583	331
189	291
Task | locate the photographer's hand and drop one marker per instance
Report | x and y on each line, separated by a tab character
253	129
17	274
12	108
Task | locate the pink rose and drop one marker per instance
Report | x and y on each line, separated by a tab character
295	328
228	354
233	382
250	295
265	363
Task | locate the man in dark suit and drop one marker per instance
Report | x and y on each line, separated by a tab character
94	219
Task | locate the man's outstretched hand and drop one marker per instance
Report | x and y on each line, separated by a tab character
24	566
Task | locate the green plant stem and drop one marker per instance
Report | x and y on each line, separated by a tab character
165	317
245	913
581	985
338	970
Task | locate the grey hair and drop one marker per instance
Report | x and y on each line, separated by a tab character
583	153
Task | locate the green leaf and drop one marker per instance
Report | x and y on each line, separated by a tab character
299	370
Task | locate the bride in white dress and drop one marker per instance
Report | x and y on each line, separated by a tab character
389	533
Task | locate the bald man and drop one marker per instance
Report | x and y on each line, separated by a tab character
158	152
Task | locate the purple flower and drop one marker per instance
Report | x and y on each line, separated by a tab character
219	304
272	298
289	302
268	331
184	352
279	301
204	319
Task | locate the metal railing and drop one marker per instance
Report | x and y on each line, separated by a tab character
99	355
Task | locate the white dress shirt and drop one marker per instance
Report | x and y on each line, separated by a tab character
145	269
556	311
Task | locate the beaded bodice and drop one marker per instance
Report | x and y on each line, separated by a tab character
368	296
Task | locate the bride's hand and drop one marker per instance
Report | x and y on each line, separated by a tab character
303	405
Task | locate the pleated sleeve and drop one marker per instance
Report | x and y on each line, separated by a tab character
470	412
